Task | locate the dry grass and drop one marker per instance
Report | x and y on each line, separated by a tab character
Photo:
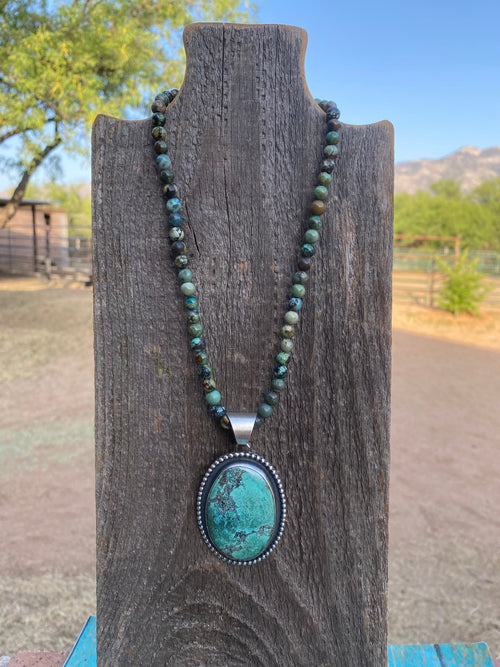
43	613
37	325
482	331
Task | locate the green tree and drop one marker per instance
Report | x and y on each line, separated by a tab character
62	62
487	194
445	211
447	188
463	289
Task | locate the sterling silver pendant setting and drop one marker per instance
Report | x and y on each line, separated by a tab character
241	506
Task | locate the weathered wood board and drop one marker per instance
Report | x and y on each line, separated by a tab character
246	141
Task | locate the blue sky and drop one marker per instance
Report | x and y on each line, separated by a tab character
431	67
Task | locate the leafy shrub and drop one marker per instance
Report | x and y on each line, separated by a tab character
463	289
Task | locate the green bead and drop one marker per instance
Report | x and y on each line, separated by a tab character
324	178
213	397
197	344
176	234
320	192
175	219
159	133
167	176
311	236
286	345
282	358
181	261
307	250
300	277
191	303
185	275
272	398
157	119
173	205
332	137
291	317
278	385
193	317
315	222
288	331
163	162
188	289
330	151
195	329
298	291
264	410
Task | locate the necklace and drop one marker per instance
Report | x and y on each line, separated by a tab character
241	505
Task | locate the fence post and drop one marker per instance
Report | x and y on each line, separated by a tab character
246	140
431	280
35	242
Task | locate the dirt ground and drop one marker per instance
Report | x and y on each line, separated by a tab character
445	490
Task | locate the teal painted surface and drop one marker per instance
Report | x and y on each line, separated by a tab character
439	655
241	512
83	653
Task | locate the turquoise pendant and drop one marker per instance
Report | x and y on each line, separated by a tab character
241	508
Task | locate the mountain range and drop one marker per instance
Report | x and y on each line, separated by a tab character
469	165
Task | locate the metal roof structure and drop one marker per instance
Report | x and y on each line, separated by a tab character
28	202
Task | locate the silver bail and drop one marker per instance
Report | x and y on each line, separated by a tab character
242	424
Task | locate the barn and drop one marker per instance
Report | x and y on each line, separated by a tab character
36	240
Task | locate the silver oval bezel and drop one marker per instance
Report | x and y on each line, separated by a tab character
212	473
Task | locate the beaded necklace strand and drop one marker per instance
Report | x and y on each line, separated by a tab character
236	535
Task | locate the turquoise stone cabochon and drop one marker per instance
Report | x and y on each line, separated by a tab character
241	508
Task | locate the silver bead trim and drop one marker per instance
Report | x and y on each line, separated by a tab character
274	474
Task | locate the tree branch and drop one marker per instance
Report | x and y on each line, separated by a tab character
8	212
16	131
11	133
47	103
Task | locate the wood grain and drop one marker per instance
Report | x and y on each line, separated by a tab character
246	141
